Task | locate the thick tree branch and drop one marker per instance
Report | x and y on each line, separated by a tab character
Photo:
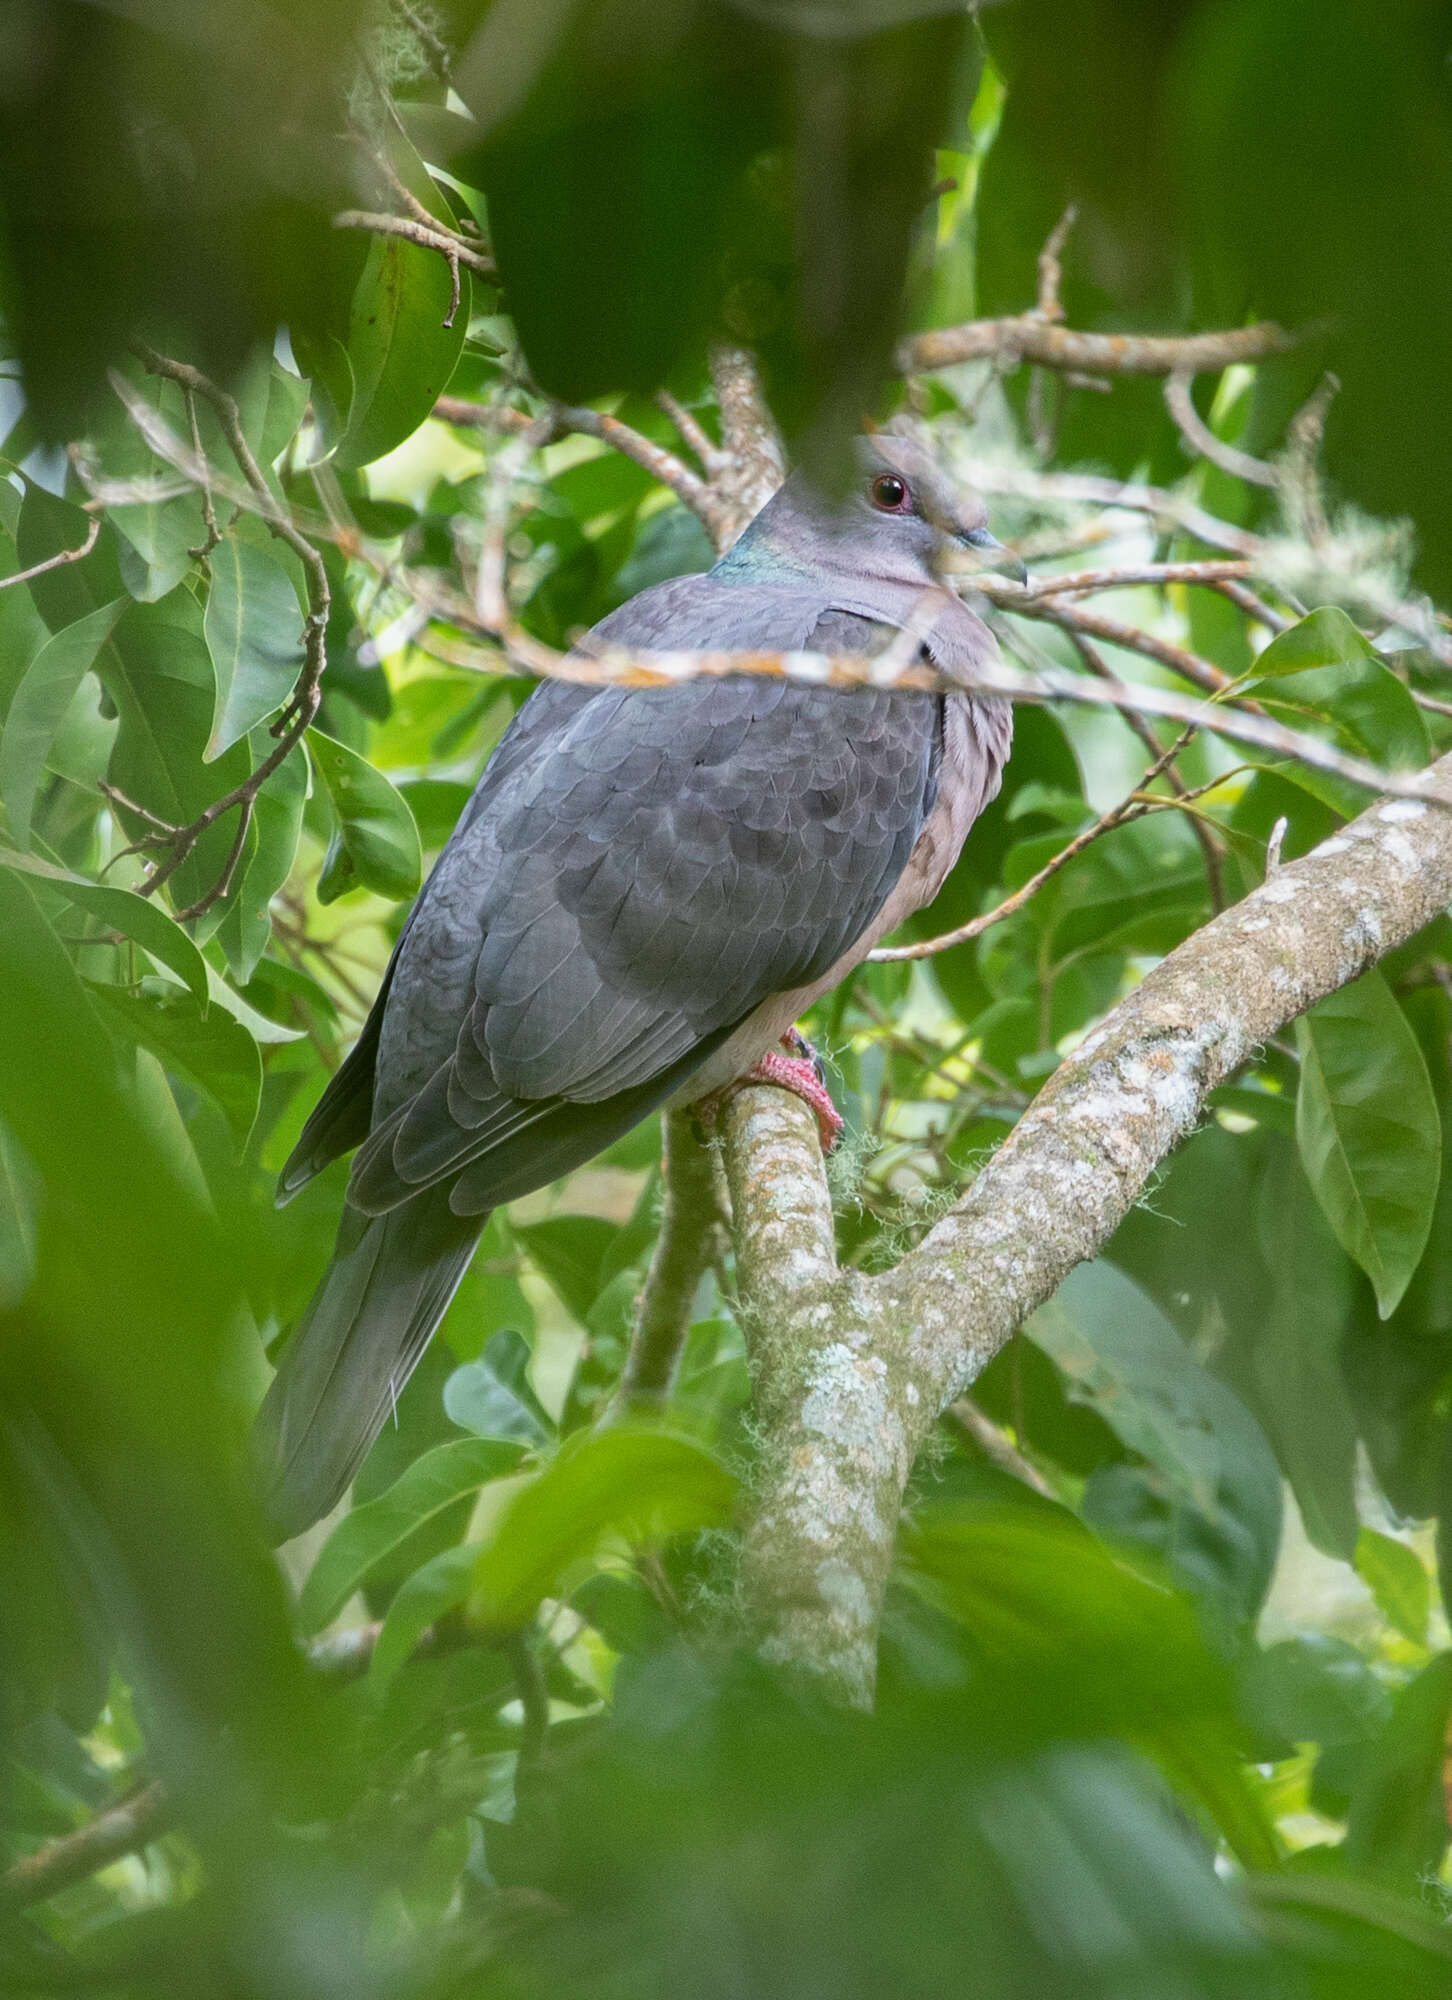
853	1372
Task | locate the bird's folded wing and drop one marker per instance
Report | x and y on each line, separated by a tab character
662	864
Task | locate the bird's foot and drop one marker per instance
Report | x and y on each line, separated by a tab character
796	1067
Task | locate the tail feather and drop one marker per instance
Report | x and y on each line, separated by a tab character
388	1286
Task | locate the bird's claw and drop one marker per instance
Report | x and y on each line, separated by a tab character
799	1071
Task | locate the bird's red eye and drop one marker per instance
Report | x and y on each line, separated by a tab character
890	494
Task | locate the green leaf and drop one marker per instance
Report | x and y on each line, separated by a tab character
136	917
1397	1578
364	1537
156	542
1353	1938
20	1197
441	1585
1297	1387
1397	1825
253	630
48	526
568	1250
492	1396
157	672
1311	1689
1324	663
1122	1356
277	817
399	353
1368	1131
644	1484
38	707
377	844
212	1050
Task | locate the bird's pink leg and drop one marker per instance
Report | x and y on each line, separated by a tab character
794	1067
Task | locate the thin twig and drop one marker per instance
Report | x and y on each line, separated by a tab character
1165	507
562	418
437	50
1051	271
1204	443
1210	847
1135	806
209	512
1075	582
57	561
712	458
996	1446
1114	632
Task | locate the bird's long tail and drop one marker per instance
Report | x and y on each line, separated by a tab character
365	1329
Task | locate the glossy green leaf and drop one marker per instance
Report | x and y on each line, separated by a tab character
254	635
364	1537
272	844
1298	1388
1121	1355
157	538
400	354
440	1586
492	1396
1368	1130
157	672
136	917
643	1484
376	845
1397	1578
568	1250
38	706
1323	663
212	1050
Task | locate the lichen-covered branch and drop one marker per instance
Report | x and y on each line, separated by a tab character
826	1395
854	1371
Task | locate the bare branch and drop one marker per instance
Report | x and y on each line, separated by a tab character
1083	581
682	1255
1114	632
750	436
562	418
1166	508
121	1829
57	561
696	436
1204	443
999	1450
430	235
1031	337
1051	272
855	1371
1135	806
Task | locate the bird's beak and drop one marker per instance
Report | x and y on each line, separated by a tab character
991	554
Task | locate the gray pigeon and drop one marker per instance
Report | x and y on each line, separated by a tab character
646	889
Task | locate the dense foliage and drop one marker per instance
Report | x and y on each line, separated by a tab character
1165	1680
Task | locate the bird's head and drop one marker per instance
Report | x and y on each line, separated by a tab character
899	519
